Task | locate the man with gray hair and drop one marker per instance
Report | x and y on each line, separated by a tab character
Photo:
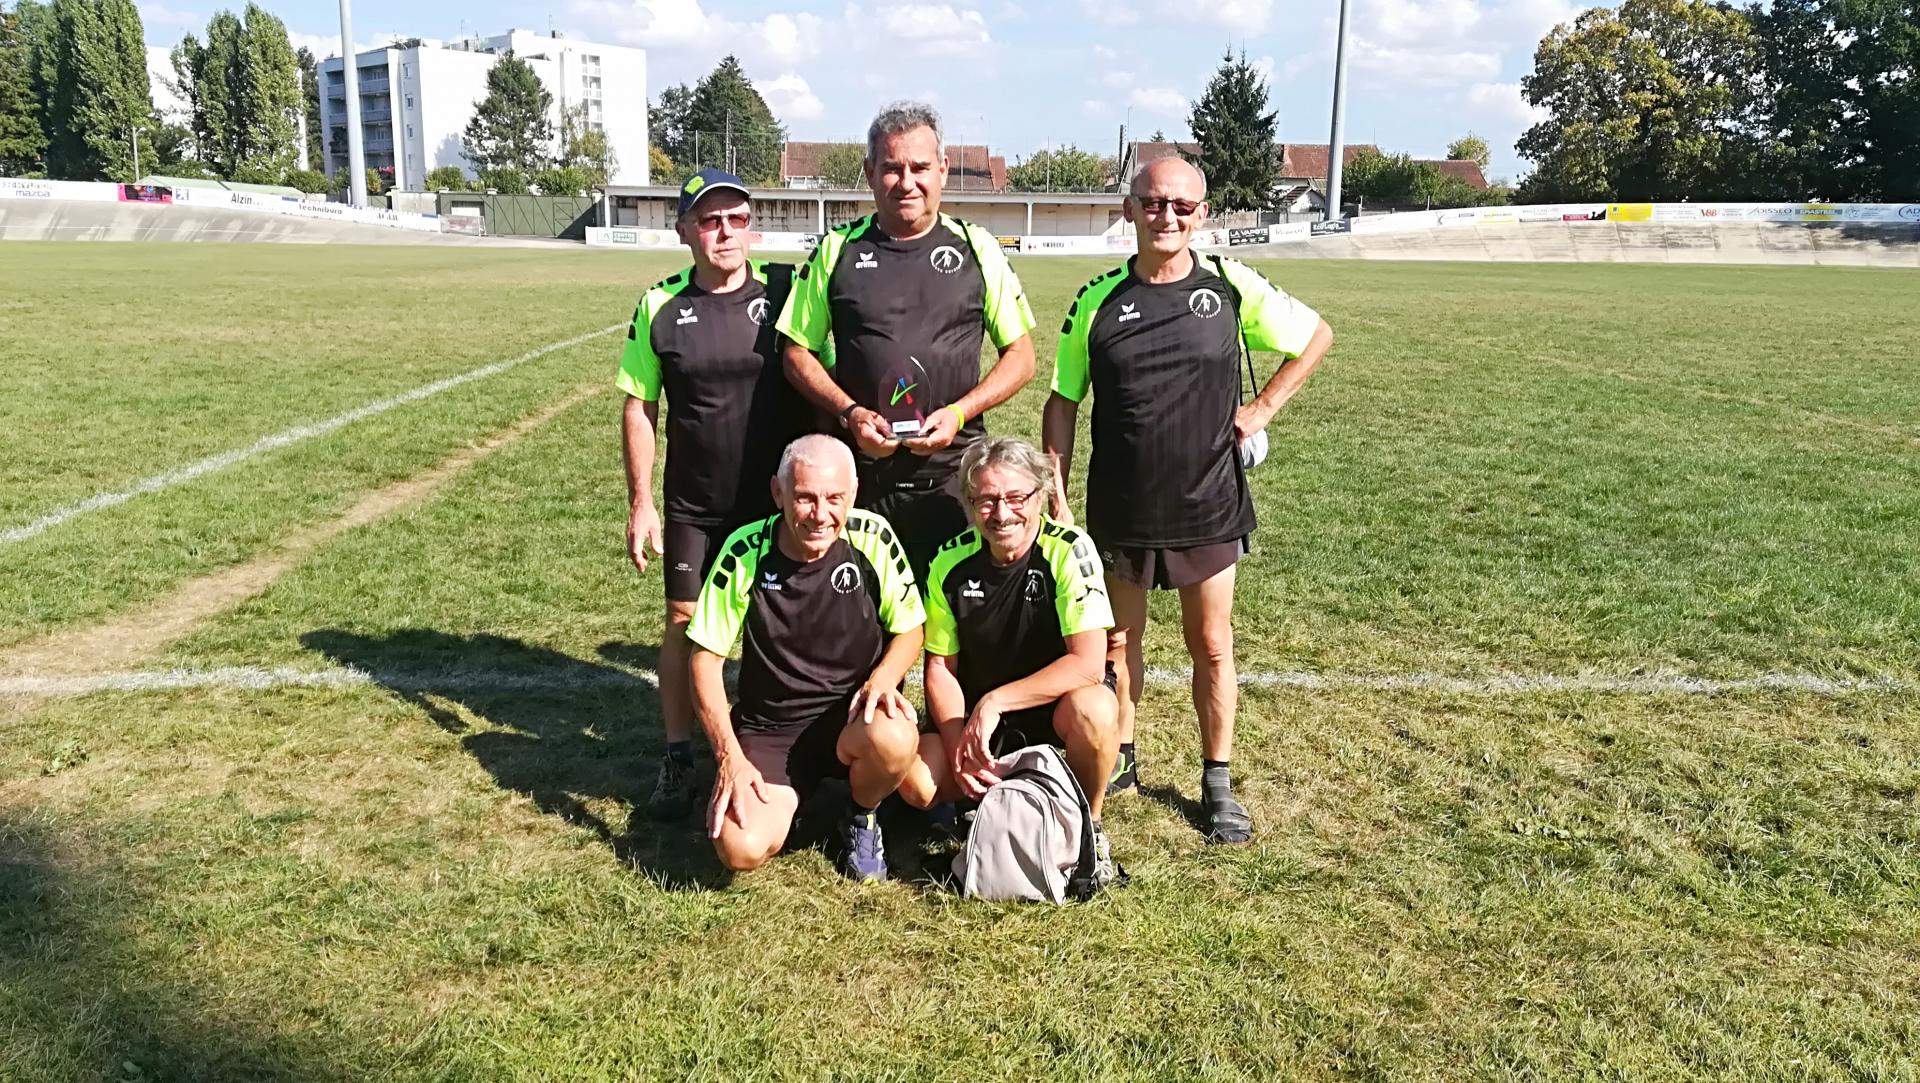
832	621
907	293
1017	620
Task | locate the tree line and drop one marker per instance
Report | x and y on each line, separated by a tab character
1691	99
510	140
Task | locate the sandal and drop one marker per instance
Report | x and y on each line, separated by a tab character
1227	821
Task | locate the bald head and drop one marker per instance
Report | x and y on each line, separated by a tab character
815	451
1173	178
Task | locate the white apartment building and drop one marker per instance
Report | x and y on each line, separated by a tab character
417	96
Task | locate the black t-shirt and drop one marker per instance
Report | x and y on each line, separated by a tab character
1009	621
730	409
907	319
814	629
1164	364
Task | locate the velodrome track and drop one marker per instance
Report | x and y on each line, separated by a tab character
1789	244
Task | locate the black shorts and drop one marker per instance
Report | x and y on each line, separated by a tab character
799	756
925	516
690	553
1034	725
1172	569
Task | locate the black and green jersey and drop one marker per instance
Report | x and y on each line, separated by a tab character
1163	362
730	410
1010	621
814	629
907	318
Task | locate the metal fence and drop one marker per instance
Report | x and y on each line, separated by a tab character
540	216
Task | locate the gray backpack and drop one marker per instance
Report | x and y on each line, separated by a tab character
1032	837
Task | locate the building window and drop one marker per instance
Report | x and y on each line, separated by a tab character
409	101
406	71
409	131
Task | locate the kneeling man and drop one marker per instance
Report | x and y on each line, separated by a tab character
1017	619
833	622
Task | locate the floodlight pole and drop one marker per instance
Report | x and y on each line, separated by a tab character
356	150
1336	144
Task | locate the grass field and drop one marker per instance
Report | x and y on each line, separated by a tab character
1625	477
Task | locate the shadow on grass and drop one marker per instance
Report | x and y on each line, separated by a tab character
82	999
567	732
1191	810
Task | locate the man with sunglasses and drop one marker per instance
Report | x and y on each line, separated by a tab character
1016	640
704	336
907	293
1159	343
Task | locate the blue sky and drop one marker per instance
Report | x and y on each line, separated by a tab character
1020	73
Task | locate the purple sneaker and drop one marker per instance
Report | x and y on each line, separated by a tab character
865	859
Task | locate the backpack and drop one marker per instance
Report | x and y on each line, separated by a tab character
1032	836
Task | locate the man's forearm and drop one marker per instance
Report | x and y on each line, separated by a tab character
637	444
899	658
710	702
1056	435
1067	673
1008	375
1287	379
809	377
946	701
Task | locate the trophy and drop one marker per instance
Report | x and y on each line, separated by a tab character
905	398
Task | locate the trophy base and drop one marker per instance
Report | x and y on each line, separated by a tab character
906	428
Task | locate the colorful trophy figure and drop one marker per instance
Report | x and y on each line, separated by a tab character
905	398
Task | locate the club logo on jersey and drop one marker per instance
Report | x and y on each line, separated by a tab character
1204	303
946	259
972	590
1036	587
845	578
770	581
686	317
865	262
1127	313
757	310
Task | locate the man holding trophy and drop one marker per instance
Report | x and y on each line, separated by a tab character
907	293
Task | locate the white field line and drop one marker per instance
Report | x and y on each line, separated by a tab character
456	681
180	475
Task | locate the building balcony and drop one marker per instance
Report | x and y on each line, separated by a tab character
374	84
377	143
375	114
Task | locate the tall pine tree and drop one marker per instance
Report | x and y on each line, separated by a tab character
22	141
269	96
731	126
100	97
512	127
310	101
1239	150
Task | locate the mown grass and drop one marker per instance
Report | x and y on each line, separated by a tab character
425	880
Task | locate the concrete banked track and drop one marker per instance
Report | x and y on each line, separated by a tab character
1820	245
70	220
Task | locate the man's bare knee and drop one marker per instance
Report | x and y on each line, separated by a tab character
890	742
1090	717
1211	643
740	852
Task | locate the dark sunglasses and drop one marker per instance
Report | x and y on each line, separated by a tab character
1151	205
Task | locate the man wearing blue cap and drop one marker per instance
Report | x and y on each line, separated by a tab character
705	337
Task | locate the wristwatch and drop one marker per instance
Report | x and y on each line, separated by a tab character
846	415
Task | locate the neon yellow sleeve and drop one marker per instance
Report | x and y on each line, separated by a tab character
806	317
1008	314
639	373
721	607
1070	360
943	631
873	536
1080	584
1270	319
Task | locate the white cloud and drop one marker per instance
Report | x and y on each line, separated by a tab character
1386	65
1159	100
1502	103
1094	107
791	98
1264	65
682	30
152	15
931	29
1109	12
1118	80
1104	54
1239	16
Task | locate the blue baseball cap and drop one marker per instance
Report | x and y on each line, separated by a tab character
708	180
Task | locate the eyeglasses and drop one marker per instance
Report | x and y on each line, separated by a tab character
1152	205
738	220
1012	501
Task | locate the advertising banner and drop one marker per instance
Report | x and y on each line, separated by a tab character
11	188
1629	212
1247	235
1288	233
145	193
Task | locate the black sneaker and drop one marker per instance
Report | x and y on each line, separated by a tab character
1227	819
674	794
1126	773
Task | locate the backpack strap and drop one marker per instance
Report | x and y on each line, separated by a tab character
1080	885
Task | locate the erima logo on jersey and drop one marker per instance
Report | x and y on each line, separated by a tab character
865	261
757	310
770	581
972	590
946	259
1127	313
686	316
845	577
1204	303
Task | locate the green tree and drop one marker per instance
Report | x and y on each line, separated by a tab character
269	98
512	127
565	180
841	165
508	182
668	123
450	177
660	168
1646	101
307	180
584	147
731	126
1470	148
1159	136
1235	130
100	98
22	140
1837	123
1067	169
310	100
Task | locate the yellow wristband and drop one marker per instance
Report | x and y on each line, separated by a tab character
957	412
